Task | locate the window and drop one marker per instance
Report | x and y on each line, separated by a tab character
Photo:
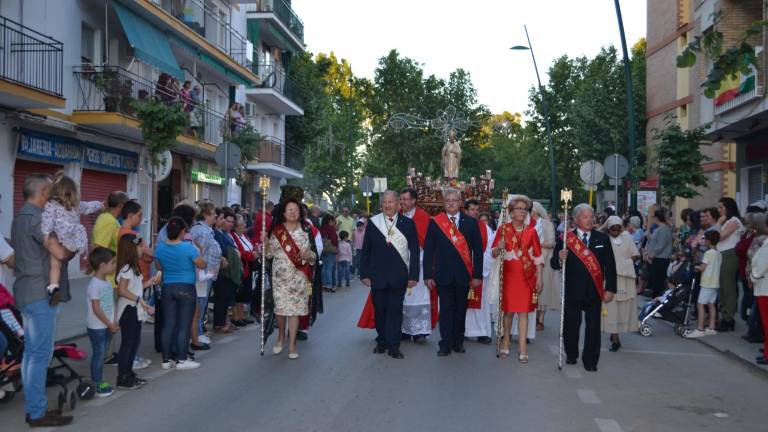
754	183
87	45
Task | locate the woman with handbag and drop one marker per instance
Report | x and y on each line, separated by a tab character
330	249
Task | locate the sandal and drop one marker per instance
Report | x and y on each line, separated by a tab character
522	358
504	352
277	349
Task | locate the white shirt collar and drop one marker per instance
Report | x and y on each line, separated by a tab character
411	213
581	233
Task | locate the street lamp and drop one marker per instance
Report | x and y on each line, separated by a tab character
553	172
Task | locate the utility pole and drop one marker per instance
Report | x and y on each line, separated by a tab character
630	112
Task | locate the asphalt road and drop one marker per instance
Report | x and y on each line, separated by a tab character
661	383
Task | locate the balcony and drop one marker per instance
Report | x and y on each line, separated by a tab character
31	68
104	97
276	159
282	15
276	92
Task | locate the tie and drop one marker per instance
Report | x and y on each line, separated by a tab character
391	219
453	220
585	238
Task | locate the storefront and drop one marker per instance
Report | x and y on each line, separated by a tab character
42	153
206	183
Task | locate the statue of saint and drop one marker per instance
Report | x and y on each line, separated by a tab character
451	156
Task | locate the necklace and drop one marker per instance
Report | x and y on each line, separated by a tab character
390	229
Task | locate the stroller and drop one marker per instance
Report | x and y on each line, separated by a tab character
59	374
674	305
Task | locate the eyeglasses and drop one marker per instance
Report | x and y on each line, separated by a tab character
522	209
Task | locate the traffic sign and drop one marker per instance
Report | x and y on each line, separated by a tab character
380	184
592	172
616	166
366	185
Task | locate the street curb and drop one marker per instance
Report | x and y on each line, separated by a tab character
728	353
69	339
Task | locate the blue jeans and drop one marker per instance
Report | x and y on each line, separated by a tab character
356	261
39	327
3	345
329	270
179	302
100	339
203	303
343	271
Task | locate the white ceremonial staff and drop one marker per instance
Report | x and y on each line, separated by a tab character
565	197
264	185
502	242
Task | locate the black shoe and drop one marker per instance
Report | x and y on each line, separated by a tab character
459	349
239	323
248	321
590	368
49	419
395	353
443	353
112	360
420	340
726	326
140	382
201	347
127	383
485	340
404	336
302	336
380	349
570	361
614	346
762	361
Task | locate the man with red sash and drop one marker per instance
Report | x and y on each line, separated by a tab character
590	280
390	266
453	263
478	321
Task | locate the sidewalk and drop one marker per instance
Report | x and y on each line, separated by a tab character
71	319
731	343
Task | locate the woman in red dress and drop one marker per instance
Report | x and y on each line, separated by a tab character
522	271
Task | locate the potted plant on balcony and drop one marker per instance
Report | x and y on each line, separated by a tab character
108	83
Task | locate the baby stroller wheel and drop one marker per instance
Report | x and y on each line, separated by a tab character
86	390
8	396
72	400
679	329
61	400
646	330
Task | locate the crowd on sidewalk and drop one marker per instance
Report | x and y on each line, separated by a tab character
203	252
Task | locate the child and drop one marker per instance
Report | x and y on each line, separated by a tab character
61	216
357	241
344	257
131	308
100	318
710	284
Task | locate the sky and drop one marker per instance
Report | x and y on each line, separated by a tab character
475	35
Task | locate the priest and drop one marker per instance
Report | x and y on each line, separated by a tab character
390	266
478	320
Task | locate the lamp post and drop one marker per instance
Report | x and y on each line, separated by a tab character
554	196
632	204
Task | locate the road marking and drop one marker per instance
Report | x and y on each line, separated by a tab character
671	353
226	339
103	401
608	425
588	397
572	373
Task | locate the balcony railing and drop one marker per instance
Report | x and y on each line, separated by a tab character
30	58
114	89
274	150
273	76
284	13
207	23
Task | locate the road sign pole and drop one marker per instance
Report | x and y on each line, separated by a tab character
368	204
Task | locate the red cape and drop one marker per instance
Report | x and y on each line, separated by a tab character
367	319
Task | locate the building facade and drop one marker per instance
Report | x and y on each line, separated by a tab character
71	70
734	117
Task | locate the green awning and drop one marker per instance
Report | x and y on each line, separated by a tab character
149	43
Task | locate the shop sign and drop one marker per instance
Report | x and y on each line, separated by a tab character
112	159
199	176
49	147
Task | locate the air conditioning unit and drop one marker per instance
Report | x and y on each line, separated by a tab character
250	109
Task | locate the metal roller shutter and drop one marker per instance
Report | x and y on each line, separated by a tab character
22	169
96	186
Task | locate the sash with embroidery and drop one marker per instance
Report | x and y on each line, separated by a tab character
577	247
457	240
292	250
475	298
516	246
394	237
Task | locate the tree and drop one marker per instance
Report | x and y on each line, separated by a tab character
739	58
679	160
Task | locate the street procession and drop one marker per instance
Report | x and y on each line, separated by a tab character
316	216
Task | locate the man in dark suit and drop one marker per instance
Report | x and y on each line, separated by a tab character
389	264
453	259
582	295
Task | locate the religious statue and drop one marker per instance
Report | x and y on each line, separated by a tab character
451	156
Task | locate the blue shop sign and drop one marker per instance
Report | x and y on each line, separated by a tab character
99	156
49	147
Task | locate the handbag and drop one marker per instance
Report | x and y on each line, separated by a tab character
328	246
